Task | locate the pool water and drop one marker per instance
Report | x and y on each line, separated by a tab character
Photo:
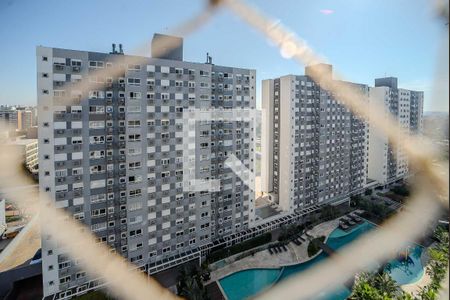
243	284
407	271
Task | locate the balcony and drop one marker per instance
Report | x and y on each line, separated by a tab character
59	67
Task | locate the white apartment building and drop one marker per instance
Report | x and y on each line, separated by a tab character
386	163
314	150
114	156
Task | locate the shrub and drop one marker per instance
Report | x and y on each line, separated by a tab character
328	212
13	218
249	244
94	295
313	248
288	232
394	197
355	200
401	190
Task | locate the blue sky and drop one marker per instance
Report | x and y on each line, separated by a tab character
363	39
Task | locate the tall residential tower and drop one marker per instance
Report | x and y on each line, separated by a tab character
113	156
313	149
388	164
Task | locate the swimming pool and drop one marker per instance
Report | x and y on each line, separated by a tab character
243	284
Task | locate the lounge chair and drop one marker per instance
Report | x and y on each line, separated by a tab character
284	247
270	251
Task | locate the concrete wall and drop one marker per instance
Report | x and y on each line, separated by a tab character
267	136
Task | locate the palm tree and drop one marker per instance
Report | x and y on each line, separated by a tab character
363	290
405	296
193	289
428	293
190	285
379	286
386	285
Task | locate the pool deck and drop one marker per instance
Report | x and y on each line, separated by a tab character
263	259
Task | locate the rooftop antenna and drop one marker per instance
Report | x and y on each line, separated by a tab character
208	58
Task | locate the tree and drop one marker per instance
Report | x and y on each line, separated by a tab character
288	232
438	263
363	290
328	213
190	285
428	293
355	201
376	286
401	190
385	284
406	296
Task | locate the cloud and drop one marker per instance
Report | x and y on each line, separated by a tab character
327	11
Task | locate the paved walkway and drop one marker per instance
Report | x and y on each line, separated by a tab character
263	259
214	291
327	249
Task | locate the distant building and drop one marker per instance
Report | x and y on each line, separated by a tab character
32	132
8	117
24	119
386	163
29	151
18	118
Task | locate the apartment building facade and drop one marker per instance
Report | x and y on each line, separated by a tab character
24	119
313	149
17	117
388	164
113	156
8	117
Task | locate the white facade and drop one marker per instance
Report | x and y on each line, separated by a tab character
388	164
116	157
378	142
316	148
267	137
